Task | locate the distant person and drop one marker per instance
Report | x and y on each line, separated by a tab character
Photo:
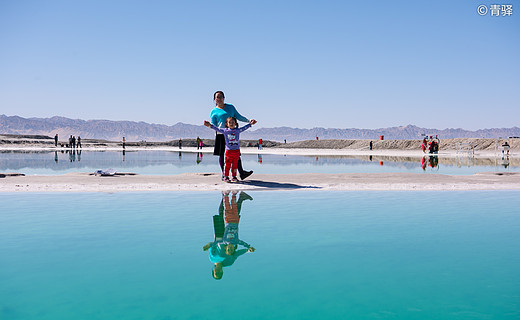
70	142
180	143
317	138
74	142
198	143
78	144
370	145
232	139
124	142
260	144
218	117
424	144
284	140
505	148
56	140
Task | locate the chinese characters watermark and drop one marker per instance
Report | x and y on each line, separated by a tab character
495	10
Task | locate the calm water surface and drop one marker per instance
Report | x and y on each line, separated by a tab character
317	255
174	162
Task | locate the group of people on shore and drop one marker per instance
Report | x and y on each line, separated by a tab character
73	142
431	144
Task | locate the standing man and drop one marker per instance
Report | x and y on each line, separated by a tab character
56	140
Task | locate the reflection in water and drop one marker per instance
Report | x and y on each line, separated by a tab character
199	156
223	250
505	161
260	160
72	155
433	162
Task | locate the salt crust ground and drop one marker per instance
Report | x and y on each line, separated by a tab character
85	182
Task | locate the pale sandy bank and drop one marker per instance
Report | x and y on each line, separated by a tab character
85	182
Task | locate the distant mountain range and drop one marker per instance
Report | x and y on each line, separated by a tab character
138	131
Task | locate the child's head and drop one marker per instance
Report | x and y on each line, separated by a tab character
217	271
231	123
230	249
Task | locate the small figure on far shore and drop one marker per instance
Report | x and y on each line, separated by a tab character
124	142
260	141
317	138
284	140
73	142
180	143
199	143
505	148
370	145
78	144
56	140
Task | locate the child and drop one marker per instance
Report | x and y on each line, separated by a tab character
232	137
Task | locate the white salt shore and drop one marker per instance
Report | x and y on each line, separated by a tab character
85	182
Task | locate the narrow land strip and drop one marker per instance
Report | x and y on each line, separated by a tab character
85	182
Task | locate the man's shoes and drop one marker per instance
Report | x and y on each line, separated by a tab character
246	174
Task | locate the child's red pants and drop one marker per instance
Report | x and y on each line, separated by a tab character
231	161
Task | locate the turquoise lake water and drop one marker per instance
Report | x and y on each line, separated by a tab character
319	255
174	162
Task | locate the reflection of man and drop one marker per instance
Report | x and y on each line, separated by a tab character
223	251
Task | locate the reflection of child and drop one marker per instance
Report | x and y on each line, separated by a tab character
232	137
223	251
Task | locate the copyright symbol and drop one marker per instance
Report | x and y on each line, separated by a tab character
482	10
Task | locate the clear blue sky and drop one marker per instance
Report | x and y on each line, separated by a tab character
333	64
